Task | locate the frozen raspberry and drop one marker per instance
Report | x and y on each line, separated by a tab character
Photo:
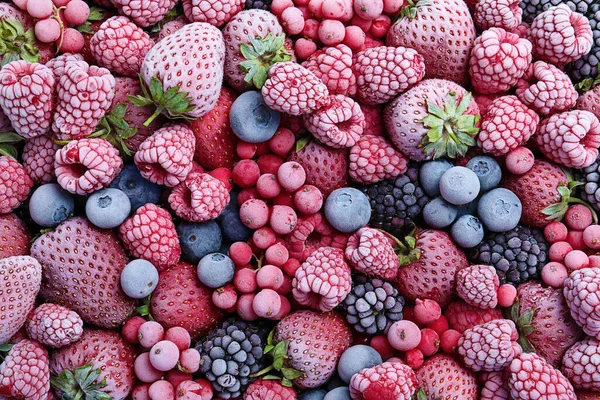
86	165
24	373
338	124
505	14
311	233
38	158
84	93
293	89
478	285
215	12
490	346
150	234
58	63
462	316
546	89
507	124
53	325
120	45
390	380
531	377
374	159
493	386
26	97
498	59
323	280
384	72
166	157
144	13
560	35
264	389
15	184
369	251
582	296
581	366
333	65
373	119
570	138
484	101
199	198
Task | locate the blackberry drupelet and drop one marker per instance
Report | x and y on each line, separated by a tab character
590	190
396	203
517	255
230	354
373	305
259	4
533	8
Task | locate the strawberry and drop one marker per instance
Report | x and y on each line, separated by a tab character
428	270
25	373
17	39
85	262
21	277
443	377
14	236
101	362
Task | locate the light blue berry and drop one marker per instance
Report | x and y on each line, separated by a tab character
459	185
438	213
251	119
215	270
107	208
356	358
50	205
139	279
467	231
430	174
499	210
339	393
347	209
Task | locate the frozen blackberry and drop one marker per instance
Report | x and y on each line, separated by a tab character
590	190
259	4
533	8
587	66
373	305
397	203
230	354
517	255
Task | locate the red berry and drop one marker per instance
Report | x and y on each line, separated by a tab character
449	341
304	48
164	355
554	274
576	259
282	142
591	237
440	325
72	41
331	32
380	26
333	9
245	173
266	303
180	336
240	253
278	6
283	219
311	31
47	30
224	175
291	176
130	329
308	199
225	297
144	370
430	342
559	250
244	280
594	261
291	266
245	150
175	376
269	277
507	294
267	186
264	237
286	307
254	213
277	254
140	392
161	390
383	346
575	238
368	9
519	161
292	20
578	217
404	335
77	12
22	4
189	359
316	8
247	194
39	8
269	163
355	38
244	307
555	232
150	333
414	358
284	199
392	6
286	286
426	311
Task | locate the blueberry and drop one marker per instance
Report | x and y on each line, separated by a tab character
340	393
469	208
233	228
335	382
430	174
499	210
313	394
139	190
356	358
487	170
459	185
347	209
467	231
198	239
50	205
107	208
139	279
251	119
438	213
215	270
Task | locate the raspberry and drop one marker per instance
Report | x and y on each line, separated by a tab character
478	285
15	184
26	96
323	280
54	326
546	89
333	65
531	377
166	157
269	389
150	234
580	364
59	63
490	346
497	61
294	89
493	386
462	316
311	233
390	380
25	373
120	46
505	14
38	158
374	159
144	13
86	165
373	119
384	72
369	251
199	198
215	12
581	293
338	124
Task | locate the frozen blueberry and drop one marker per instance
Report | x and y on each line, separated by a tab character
499	210
139	279
339	393
347	209
50	205
107	208
467	231
251	119
356	358
470	208
438	213
430	174
313	394
139	190
459	185
198	239
215	270
487	170
233	228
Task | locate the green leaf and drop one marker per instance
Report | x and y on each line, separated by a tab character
278	363
528	330
6	347
280	349
156	89
10	137
286	382
86	27
248	51
302	142
436	110
96	14
564	191
8	150
139	101
268	348
291	373
526	318
271	377
270	337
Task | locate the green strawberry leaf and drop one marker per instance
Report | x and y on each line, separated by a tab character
10	137
291	373
302	142
9	151
286	382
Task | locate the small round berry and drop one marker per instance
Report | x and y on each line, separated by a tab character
150	333
559	250
284	199
430	342
449	341
440	325
304	48
331	32
266	303
311	31
554	274
107	208
438	213
404	335
426	311
130	329
392	6
264	237
215	270
459	185
225	297
278	6
576	259
140	392
244	280
189	360
283	219
245	150
292	20
240	253
180	336
269	163
139	279
282	143
316	8
507	294
467	231
499	210
487	170
414	358
555	232
175	376
368	9
347	209
575	239
354	38
244	307
144	370
254	213
380	26
77	12
591	236
47	30
291	176
72	41
594	261
269	277
161	390
50	205
308	199
519	161
224	175
245	173
286	286
39	8
164	355
333	9
277	254
268	187
251	119
383	346
22	4
578	217
291	266
356	358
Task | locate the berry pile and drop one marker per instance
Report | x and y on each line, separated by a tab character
299	199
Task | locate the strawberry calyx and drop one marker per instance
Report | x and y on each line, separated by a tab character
144	309
7	144
4	349
16	43
451	129
588	84
173	103
96	14
524	326
277	370
406	248
261	55
83	384
410	11
557	211
116	130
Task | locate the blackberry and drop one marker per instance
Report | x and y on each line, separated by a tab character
396	203
231	353
587	66
590	190
259	4
517	255
533	8
373	305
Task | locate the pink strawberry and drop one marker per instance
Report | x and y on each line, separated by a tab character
15	184
14	236
144	13
54	326
25	372
374	159
38	158
441	376
531	377
215	12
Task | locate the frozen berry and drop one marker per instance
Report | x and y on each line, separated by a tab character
578	217
269	163
254	213
268	187
76	12
292	20
426	311
591	236
291	176
554	274
240	253
282	143
594	261
244	280
308	199
368	9
244	307
150	333
269	277
161	390
392	6
277	254
180	336
555	232
72	41
449	341
440	325
383	346
225	297
264	237
278	6
304	48
575	239
266	303
283	219
39	8
130	329
331	32
189	360
380	26
354	38
414	358
139	392
559	250
175	376
311	31
144	370
47	30
245	173
316	8
139	278
519	161
404	335
291	266
164	355
576	259
333	9
430	342
215	270
507	294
